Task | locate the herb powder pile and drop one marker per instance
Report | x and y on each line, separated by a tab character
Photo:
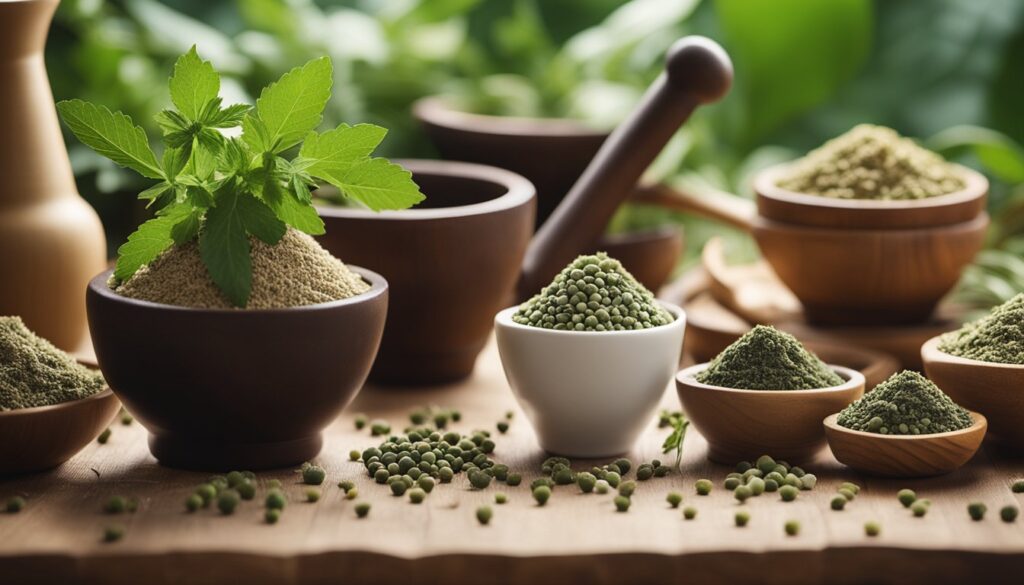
997	337
872	162
768	359
594	293
35	373
905	404
294	272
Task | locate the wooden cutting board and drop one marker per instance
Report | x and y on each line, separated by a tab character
575	538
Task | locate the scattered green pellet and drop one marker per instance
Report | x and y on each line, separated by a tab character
846	485
113	533
742	518
126	417
792	528
1018	487
479	479
193	502
542	494
234	478
689	513
613	479
425	483
502	427
644	472
346	485
417	495
586	481
1008	513
919	508
104	437
274	484
500	498
271	515
360	421
906	497
674	499
788	493
770	485
848	494
622	503
246	490
623	464
872	528
353	455
116	505
731	483
976	510
743	466
276	500
352	494
398	487
765	463
838	503
484	515
563	476
513	479
207	492
15	504
757	486
742	493
627	488
362	509
227	501
313	475
703	487
602	487
379	427
312	495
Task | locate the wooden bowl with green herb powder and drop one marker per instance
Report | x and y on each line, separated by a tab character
50	406
765	392
981	366
905	427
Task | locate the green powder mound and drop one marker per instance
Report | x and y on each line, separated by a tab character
35	373
905	404
292	273
872	162
594	293
997	337
768	359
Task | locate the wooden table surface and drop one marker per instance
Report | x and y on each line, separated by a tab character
576	537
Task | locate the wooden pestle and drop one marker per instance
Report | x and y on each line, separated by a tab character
697	71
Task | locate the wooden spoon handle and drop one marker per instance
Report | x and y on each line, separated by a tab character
697	71
717	205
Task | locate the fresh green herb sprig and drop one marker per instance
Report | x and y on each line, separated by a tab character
222	189
674	441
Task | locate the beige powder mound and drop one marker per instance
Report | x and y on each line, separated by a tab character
294	272
872	162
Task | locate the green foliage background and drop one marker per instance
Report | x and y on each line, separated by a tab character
947	72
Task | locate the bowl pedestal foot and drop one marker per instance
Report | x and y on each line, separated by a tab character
184	452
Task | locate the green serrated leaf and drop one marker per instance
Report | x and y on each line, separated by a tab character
224	248
154	192
147	242
111	134
171	122
188	228
378	184
255	134
228	117
336	151
294	105
299	215
174	161
194	83
259	220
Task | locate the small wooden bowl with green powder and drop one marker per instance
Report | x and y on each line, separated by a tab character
981	367
50	406
905	427
765	393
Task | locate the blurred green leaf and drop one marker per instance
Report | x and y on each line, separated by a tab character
997	152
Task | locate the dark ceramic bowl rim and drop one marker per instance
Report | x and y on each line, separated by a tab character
438	111
977	420
766	185
518	191
853	378
103	394
932	346
378	286
504	319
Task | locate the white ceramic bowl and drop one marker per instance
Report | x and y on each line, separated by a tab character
589	394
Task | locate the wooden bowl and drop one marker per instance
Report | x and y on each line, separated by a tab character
452	263
650	256
995	390
229	389
778	204
905	455
745	424
865	276
43	437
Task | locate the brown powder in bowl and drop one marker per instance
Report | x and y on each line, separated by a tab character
296	271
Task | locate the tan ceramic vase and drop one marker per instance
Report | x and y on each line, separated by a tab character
51	241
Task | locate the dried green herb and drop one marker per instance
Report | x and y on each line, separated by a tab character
905	404
767	359
997	337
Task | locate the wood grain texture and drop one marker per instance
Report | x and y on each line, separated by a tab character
575	538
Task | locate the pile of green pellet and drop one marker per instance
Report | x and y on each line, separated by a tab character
765	475
997	337
872	162
35	373
768	359
594	293
905	404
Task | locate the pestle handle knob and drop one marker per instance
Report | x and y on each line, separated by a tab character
697	71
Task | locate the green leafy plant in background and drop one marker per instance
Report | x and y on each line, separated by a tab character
223	189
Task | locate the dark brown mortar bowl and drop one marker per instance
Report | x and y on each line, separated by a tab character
223	389
552	153
452	263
